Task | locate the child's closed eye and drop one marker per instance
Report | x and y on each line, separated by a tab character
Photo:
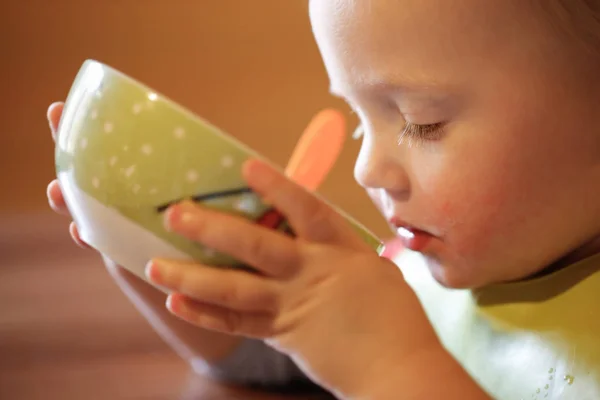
425	132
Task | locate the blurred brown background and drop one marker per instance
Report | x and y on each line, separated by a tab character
250	67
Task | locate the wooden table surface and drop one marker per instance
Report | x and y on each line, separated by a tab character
67	332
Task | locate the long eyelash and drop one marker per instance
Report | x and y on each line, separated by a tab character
411	131
430	132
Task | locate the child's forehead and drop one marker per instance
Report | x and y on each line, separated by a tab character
397	14
406	21
365	40
383	38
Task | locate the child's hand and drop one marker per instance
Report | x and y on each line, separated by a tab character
325	298
55	197
189	341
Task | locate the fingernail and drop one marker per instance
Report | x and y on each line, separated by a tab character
180	215
49	190
255	169
53	205
51	108
153	271
173	303
261	177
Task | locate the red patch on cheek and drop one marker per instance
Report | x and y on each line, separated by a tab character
472	223
448	214
446	209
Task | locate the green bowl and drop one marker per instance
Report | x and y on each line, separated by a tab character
125	152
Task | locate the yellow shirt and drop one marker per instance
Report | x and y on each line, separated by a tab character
531	340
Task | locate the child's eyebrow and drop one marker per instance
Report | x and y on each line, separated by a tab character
406	88
378	88
407	99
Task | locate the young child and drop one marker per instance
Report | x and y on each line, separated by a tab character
481	146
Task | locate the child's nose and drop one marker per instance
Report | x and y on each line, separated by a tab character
376	168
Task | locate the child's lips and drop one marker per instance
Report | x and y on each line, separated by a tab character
413	239
408	237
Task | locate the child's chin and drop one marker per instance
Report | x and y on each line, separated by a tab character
450	276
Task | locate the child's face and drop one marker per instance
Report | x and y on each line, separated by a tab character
510	182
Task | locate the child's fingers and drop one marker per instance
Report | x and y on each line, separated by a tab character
56	199
223	287
57	203
220	319
269	251
54	113
76	238
310	217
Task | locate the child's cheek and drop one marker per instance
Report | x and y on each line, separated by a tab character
447	211
477	221
465	213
